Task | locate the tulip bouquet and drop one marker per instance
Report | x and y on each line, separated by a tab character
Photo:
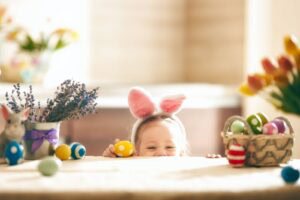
280	82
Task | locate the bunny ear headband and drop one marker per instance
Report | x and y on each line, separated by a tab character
142	107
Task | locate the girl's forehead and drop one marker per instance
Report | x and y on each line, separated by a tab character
158	127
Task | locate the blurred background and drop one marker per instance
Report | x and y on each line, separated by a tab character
203	48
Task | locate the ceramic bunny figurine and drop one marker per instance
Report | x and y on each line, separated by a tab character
14	128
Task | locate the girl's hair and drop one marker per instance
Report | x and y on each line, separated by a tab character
172	119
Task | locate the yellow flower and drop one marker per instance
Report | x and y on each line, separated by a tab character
291	45
60	31
13	34
245	89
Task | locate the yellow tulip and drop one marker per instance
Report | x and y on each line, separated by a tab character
297	60
244	89
291	45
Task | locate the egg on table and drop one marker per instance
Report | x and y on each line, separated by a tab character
63	152
78	151
49	166
236	155
14	153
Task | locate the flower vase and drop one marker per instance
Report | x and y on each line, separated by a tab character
40	139
23	67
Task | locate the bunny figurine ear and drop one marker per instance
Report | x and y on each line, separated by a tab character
5	111
172	104
25	114
140	103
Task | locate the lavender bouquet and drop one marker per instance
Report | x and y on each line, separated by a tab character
72	100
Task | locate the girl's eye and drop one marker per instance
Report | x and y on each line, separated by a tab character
9	121
170	147
22	122
151	147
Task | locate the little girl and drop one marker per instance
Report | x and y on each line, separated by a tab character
155	133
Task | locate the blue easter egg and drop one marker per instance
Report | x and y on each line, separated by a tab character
14	153
78	151
289	174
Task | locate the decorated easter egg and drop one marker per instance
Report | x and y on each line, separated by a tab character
63	152
123	148
49	166
236	155
14	153
237	127
270	129
77	151
263	117
289	174
280	125
255	123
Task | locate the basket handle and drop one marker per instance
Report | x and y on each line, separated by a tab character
231	119
288	123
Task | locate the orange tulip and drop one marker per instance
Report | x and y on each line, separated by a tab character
266	78
255	83
285	64
268	66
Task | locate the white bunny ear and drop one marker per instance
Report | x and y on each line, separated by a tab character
5	111
140	103
172	104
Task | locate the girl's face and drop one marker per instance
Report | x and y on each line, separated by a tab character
158	138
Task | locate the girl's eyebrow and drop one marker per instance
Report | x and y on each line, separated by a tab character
151	142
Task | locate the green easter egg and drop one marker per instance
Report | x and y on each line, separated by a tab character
263	117
237	127
255	123
49	166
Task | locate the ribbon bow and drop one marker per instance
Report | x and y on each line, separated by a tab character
38	136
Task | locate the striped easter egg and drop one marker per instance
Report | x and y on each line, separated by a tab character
236	155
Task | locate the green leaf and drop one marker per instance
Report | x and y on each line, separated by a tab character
28	45
60	44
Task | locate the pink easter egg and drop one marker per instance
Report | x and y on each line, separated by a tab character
270	129
236	155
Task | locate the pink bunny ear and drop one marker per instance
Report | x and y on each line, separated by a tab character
172	104
140	103
25	114
5	111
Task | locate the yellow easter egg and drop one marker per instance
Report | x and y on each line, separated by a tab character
123	149
63	152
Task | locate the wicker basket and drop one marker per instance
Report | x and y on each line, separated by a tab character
261	150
